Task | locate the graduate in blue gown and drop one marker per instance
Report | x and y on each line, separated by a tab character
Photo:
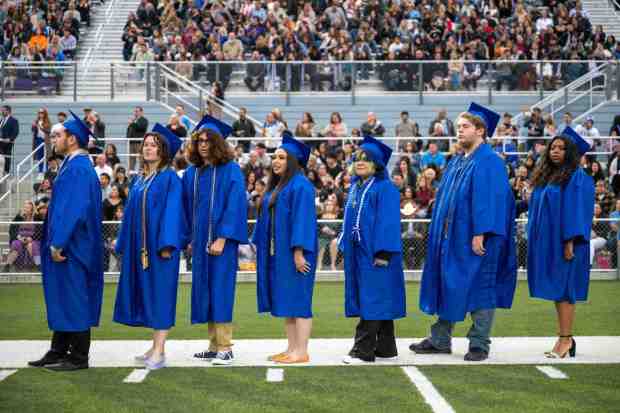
215	206
470	263
561	208
373	262
286	247
71	253
150	240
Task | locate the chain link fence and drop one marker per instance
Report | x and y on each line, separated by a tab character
20	247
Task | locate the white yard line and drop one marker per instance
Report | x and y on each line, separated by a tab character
136	376
6	373
275	375
552	372
431	396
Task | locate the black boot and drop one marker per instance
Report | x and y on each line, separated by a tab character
68	365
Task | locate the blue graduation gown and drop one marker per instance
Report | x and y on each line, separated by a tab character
74	288
558	214
280	289
372	292
148	297
214	277
474	198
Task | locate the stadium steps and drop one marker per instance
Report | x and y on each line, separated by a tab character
602	12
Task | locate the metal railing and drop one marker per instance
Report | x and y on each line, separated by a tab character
18	260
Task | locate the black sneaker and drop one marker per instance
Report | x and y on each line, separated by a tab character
426	347
476	354
50	357
67	365
206	355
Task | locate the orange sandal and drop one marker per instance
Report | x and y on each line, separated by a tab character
291	360
275	357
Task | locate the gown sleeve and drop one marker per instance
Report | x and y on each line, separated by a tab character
303	217
69	207
187	186
233	224
577	207
387	237
171	221
489	197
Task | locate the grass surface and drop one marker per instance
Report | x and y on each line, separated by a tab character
243	390
482	389
22	315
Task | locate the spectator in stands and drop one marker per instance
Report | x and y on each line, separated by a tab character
328	232
183	118
105	180
24	240
113	200
272	130
307	128
84	9
535	127
141	56
472	72
176	127
433	157
9	130
446	124
336	128
372	126
61	117
604	197
244	128
68	44
111	155
592	135
406	128
96	142
138	125
41	128
121	180
101	166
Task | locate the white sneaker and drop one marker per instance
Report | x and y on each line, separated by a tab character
354	360
223	358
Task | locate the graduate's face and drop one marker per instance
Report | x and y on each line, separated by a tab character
362	165
468	134
150	150
279	162
203	145
557	151
64	141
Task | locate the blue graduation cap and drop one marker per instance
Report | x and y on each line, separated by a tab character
582	145
489	117
172	140
295	147
214	124
78	128
376	150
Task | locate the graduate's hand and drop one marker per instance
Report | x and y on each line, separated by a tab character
217	247
569	252
477	244
301	264
189	249
57	256
166	253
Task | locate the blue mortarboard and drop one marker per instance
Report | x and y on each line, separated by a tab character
216	125
172	140
295	147
490	118
78	128
582	145
376	150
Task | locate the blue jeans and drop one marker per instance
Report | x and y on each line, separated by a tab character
478	334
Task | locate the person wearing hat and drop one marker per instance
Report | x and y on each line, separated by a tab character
149	240
561	209
286	248
470	264
372	247
71	253
216	212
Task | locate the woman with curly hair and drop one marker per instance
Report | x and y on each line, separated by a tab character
561	208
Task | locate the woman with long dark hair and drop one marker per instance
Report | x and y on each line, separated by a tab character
560	222
373	262
286	247
215	205
149	242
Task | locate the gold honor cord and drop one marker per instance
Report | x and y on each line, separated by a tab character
144	252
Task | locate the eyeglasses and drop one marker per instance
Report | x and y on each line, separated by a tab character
360	156
202	142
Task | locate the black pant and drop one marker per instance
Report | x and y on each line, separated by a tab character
374	338
6	149
74	346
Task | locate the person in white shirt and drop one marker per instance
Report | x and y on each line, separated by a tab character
101	166
544	21
590	133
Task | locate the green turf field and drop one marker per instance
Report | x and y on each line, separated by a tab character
504	389
22	315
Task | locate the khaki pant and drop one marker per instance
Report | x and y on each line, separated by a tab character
220	336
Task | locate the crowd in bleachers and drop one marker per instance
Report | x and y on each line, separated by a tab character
423	152
37	32
377	35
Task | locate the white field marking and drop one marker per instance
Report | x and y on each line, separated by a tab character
6	373
552	372
275	375
431	396
136	376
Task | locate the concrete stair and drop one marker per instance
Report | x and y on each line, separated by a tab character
602	12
